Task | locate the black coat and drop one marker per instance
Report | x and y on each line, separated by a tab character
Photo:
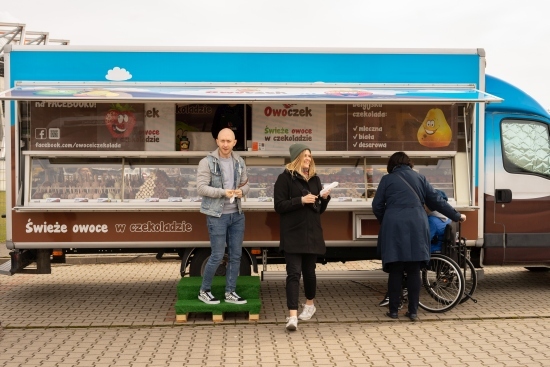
301	231
404	232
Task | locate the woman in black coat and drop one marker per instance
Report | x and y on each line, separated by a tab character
404	237
300	205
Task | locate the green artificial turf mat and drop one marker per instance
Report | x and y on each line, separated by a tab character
248	287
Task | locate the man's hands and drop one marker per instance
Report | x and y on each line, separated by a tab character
462	218
234	193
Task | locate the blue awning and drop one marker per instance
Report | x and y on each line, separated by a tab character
245	92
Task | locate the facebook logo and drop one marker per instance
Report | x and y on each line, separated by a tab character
40	133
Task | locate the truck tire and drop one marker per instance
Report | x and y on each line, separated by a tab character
201	256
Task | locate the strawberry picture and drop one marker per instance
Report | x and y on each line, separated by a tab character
120	120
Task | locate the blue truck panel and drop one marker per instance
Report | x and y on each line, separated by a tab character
247	67
515	100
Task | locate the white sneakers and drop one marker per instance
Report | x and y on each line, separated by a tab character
291	323
307	312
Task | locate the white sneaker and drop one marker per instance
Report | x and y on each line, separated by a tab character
232	297
291	323
307	312
208	298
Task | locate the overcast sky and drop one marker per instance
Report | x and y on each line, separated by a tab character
515	34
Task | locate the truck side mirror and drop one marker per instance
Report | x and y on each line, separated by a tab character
503	195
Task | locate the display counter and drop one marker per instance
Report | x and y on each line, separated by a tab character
121	181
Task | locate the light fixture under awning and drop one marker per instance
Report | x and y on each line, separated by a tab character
244	92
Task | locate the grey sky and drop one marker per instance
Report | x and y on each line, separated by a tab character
515	35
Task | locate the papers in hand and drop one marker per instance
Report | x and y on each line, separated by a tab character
328	187
232	199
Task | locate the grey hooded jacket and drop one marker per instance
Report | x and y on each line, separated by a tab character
210	182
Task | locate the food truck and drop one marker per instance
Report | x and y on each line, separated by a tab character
104	144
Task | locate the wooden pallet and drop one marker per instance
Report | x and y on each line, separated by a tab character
217	317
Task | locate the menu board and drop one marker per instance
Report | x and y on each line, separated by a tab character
380	127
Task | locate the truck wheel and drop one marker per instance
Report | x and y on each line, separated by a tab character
201	256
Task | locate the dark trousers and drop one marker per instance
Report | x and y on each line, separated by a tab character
297	265
395	291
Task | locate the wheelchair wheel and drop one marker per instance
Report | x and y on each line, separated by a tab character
470	279
442	285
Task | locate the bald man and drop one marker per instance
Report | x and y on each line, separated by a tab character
221	182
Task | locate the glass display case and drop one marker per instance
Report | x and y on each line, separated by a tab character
438	172
351	182
262	181
100	180
67	180
166	180
440	175
142	180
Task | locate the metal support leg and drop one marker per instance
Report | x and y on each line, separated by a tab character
43	264
264	260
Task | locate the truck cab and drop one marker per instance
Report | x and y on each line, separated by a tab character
517	179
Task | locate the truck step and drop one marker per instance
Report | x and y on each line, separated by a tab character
248	287
5	268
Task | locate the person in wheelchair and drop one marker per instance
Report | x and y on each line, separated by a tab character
437	222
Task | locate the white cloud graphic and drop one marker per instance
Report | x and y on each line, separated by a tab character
444	91
118	74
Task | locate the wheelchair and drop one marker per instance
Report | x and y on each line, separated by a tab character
450	277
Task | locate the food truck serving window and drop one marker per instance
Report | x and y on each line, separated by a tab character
82	146
71	148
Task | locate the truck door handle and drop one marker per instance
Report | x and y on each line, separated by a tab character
503	195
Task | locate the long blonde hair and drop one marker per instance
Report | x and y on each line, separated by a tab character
296	166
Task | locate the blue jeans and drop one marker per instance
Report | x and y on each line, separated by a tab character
227	229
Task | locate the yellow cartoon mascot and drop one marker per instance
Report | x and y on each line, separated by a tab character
435	132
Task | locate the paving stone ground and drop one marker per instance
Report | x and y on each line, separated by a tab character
122	314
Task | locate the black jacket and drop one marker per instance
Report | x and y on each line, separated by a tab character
301	230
